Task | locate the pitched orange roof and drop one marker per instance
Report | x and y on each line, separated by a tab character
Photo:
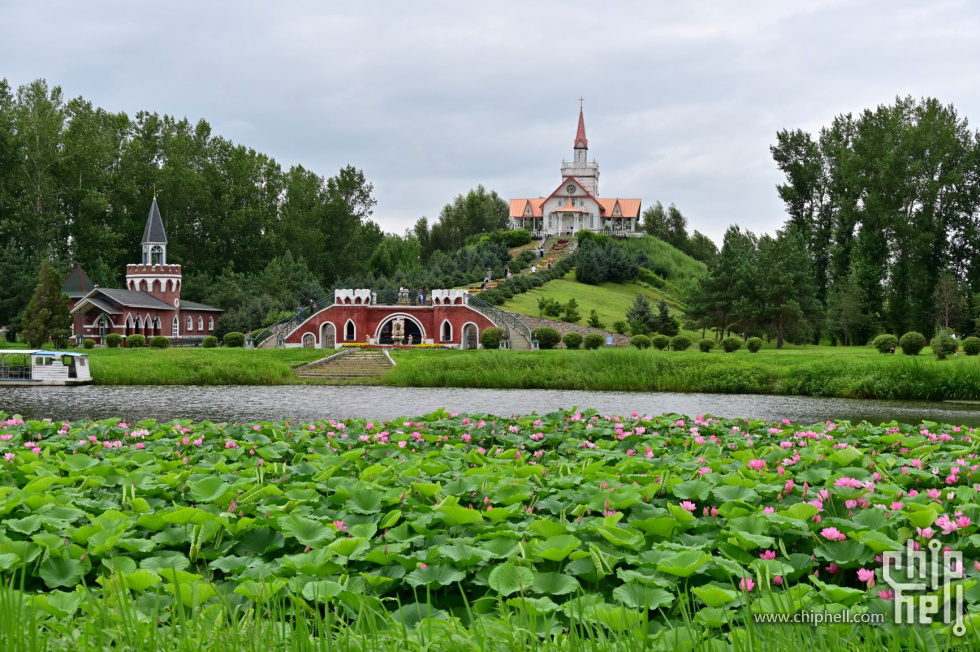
518	207
628	207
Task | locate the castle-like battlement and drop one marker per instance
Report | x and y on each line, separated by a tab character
152	270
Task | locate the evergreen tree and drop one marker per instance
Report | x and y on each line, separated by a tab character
594	320
665	323
640	316
47	313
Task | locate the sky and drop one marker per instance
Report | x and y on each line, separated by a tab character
682	100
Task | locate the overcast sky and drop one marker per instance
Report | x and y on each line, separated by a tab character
682	99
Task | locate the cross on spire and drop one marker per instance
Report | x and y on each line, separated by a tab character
581	101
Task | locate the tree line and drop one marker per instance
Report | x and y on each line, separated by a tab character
882	235
77	181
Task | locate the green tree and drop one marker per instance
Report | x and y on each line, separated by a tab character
701	247
787	296
47	313
478	211
640	316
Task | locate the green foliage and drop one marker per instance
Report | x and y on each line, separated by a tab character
135	342
113	340
572	340
594	321
89	343
512	238
477	212
549	307
971	346
705	345
490	338
594	341
570	312
668	225
680	343
885	343
598	261
664	322
620	327
640	342
943	344
209	342
234	340
731	344
640	316
660	342
47	313
912	342
548	338
159	342
754	344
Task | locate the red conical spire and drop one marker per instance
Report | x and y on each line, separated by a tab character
581	142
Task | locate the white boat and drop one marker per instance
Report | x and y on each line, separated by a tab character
34	367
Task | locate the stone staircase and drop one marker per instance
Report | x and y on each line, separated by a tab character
352	364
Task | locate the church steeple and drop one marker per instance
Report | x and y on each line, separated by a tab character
154	237
584	171
581	142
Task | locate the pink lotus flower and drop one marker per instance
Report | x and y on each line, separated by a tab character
778	580
886	595
758	465
865	575
832	534
688	505
768	554
746	585
340	525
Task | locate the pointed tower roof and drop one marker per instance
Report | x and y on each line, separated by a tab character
154	226
581	142
77	284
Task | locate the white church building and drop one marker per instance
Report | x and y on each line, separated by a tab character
575	204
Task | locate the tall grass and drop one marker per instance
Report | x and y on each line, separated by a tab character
199	366
682	270
623	369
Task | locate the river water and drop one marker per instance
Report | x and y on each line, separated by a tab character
308	402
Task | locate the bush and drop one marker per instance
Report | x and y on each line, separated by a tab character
704	346
234	340
885	343
594	320
491	337
680	343
135	342
594	341
943	344
971	346
619	327
753	345
515	238
640	341
209	342
660	342
88	343
159	342
912	343
731	344
113	340
548	338
570	312
572	340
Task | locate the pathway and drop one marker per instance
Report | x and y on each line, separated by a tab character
349	364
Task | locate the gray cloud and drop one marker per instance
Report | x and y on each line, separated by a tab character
432	98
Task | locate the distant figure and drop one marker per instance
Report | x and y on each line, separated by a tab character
489	275
299	313
507	273
891	350
312	307
534	268
549	264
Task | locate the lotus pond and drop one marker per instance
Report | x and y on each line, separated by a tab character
456	531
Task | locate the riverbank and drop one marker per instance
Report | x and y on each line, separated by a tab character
813	371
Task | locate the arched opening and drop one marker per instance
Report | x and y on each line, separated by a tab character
157	326
153	285
210	324
190	324
414	333
143	285
129	325
309	341
446	333
471	337
175	328
138	327
104	327
350	331
328	336
200	323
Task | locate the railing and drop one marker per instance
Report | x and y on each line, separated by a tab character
505	320
283	326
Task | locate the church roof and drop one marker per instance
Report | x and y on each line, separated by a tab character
190	305
518	207
111	300
628	207
77	284
580	140
154	232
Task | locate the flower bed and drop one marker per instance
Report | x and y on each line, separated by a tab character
574	518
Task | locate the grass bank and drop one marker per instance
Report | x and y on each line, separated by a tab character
813	371
198	366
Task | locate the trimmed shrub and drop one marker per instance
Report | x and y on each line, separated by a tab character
704	346
159	342
594	320
680	343
113	340
731	344
943	344
135	342
548	338
620	327
640	341
754	344
885	343
572	340
660	342
88	343
234	340
912	343
491	337
209	342
971	346
594	341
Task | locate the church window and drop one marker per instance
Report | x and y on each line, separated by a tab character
210	323
350	332
190	323
200	323
447	331
175	329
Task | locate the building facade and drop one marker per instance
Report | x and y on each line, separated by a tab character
149	305
575	204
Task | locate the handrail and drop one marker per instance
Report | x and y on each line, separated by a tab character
297	319
500	317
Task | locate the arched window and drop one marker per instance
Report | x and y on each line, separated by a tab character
158	325
190	323
350	332
175	330
210	323
143	285
200	323
447	331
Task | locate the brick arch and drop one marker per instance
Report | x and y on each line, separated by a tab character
328	335
388	318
